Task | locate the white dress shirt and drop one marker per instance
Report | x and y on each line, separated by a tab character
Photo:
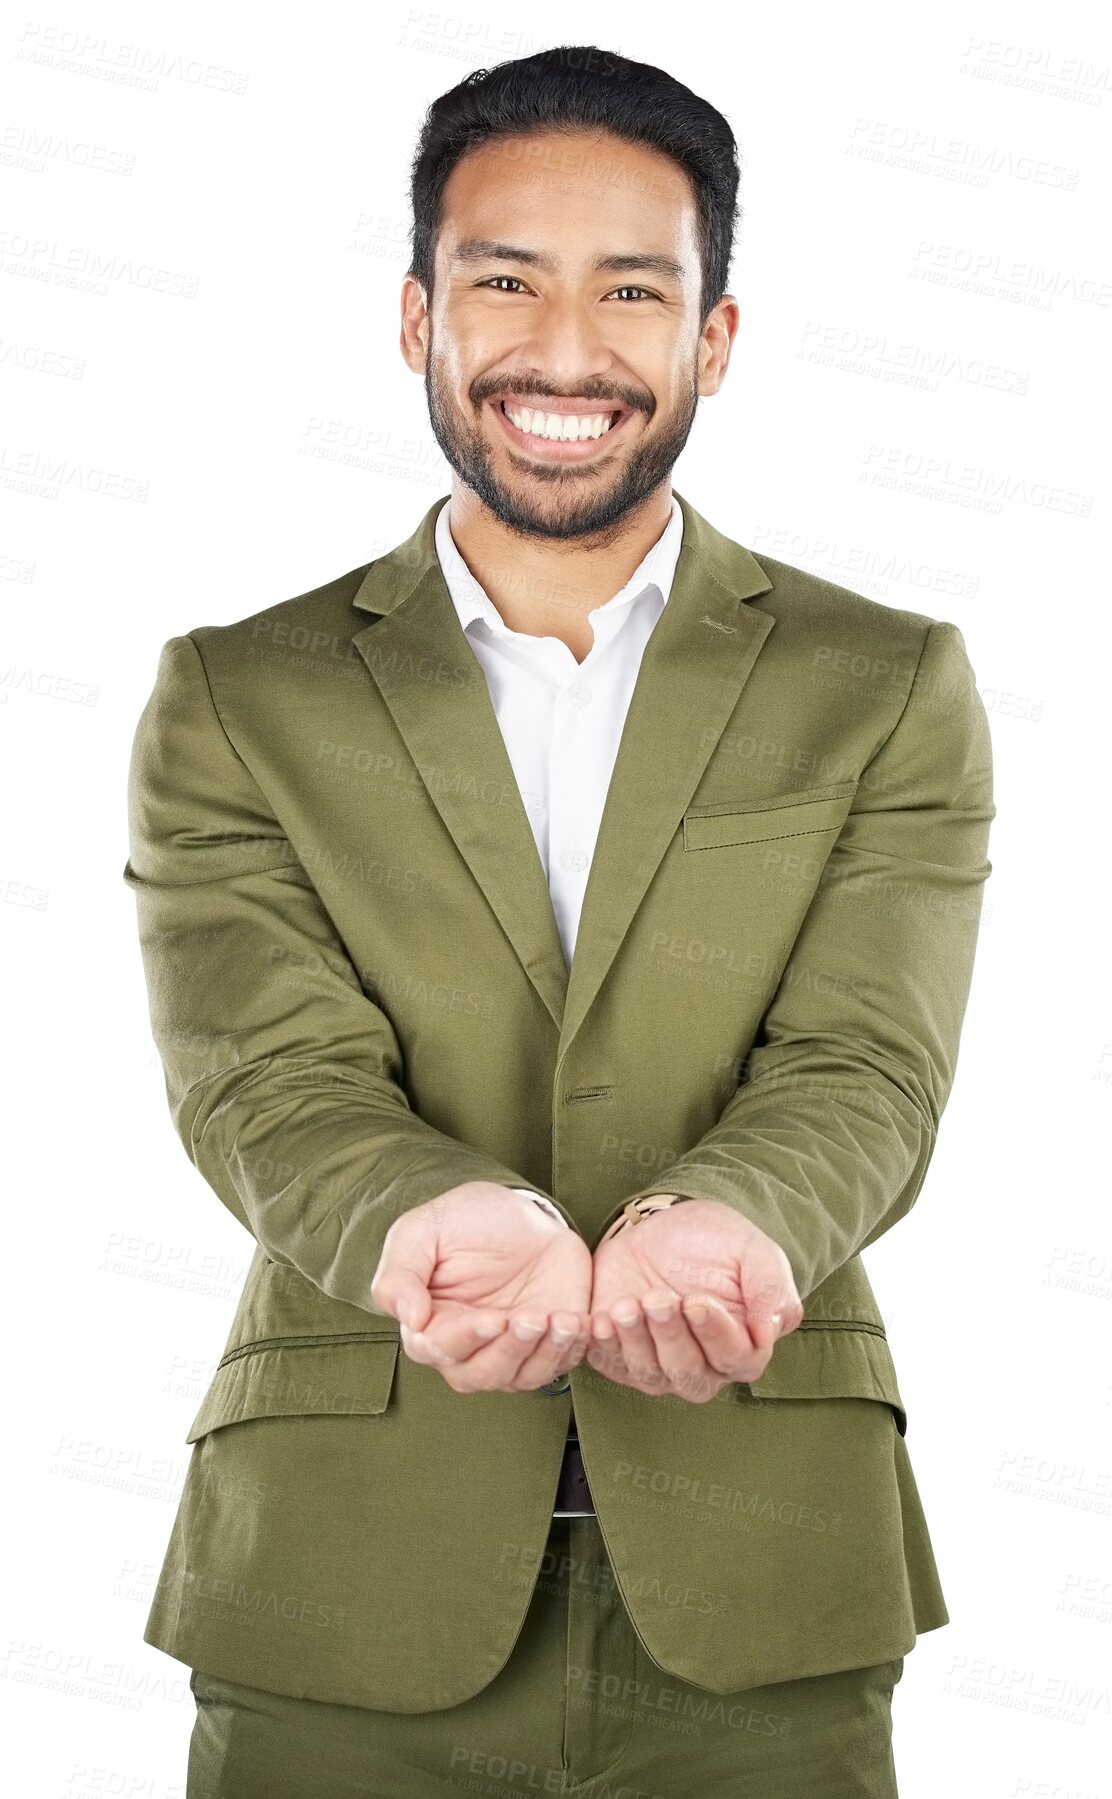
562	720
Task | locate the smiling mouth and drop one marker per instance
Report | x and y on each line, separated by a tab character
559	433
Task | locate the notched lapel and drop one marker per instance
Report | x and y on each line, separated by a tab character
696	662
695	665
436	691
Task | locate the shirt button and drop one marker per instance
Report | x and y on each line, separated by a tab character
577	860
579	696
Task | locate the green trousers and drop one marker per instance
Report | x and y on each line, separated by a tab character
579	1708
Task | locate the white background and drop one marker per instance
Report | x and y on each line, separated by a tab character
205	411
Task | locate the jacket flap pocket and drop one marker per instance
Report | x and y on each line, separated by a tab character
298	1379
758	821
826	1362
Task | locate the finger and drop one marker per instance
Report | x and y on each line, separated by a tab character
457	1331
636	1345
724	1338
600	1363
457	1336
605	1351
419	1348
556	1354
616	1371
496	1367
610	1365
680	1352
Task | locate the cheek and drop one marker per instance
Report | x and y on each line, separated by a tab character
459	351
671	380
473	341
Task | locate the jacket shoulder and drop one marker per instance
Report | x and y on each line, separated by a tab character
307	619
813	600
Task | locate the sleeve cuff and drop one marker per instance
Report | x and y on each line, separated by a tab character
546	1205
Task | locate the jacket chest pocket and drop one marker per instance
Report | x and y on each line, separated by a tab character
817	811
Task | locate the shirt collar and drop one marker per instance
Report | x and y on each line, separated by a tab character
654	573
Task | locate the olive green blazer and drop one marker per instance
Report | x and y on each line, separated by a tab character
360	999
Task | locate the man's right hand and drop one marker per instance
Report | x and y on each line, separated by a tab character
487	1288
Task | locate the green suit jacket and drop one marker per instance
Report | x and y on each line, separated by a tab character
360	999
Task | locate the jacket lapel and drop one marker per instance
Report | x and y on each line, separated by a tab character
435	688
695	665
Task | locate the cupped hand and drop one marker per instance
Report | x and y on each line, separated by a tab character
486	1288
689	1299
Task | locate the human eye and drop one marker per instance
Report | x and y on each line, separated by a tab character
492	278
636	290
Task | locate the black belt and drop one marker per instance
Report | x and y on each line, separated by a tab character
573	1495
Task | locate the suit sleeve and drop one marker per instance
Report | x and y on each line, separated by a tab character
284	1080
827	1140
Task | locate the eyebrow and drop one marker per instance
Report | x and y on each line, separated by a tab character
487	249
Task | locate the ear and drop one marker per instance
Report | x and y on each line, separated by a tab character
414	339
715	343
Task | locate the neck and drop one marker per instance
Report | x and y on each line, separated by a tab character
545	587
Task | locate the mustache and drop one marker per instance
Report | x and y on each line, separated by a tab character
527	391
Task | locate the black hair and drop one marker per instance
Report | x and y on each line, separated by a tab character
580	87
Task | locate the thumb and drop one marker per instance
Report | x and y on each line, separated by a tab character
400	1284
412	1302
772	1307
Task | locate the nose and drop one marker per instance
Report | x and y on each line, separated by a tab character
566	341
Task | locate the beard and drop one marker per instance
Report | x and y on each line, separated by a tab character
553	500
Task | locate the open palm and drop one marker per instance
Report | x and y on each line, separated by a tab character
689	1300
477	1277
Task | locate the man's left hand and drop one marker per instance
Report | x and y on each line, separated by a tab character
688	1300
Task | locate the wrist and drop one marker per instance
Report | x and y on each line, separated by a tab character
636	1210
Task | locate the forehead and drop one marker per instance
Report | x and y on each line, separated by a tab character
586	187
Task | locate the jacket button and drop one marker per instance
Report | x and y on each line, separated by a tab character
559	1385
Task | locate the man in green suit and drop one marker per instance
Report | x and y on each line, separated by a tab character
558	932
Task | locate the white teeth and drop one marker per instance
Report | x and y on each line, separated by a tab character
562	427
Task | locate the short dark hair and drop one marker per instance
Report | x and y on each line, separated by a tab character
580	87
